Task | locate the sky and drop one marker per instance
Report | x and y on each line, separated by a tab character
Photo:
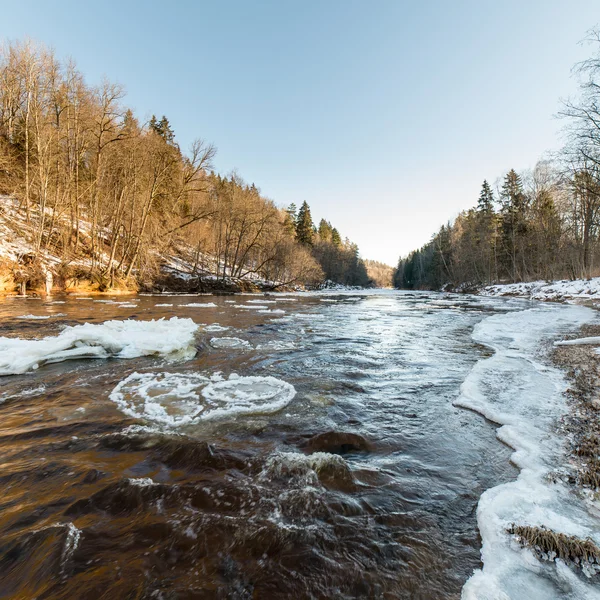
384	115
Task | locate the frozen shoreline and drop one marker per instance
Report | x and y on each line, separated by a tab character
563	290
528	412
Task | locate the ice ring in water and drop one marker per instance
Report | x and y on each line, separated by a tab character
173	400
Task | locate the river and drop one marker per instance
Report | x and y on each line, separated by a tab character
305	446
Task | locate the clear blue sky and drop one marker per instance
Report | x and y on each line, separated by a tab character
385	115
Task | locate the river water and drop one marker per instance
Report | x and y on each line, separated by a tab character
299	446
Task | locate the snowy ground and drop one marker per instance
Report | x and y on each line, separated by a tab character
578	289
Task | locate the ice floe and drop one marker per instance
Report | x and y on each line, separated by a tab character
592	341
174	399
229	342
215	327
262	306
119	339
200	305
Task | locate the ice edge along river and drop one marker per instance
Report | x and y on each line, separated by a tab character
526	398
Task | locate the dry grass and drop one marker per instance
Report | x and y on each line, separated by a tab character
582	425
557	545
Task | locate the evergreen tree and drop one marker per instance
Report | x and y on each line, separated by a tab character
304	226
336	238
290	220
325	230
163	129
514	224
486	198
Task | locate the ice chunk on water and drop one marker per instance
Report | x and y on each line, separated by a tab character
201	305
277	345
119	339
593	341
174	400
262	306
309	316
167	398
246	395
215	327
230	342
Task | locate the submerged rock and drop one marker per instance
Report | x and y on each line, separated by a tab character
337	442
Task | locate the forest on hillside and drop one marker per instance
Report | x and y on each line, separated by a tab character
93	181
538	224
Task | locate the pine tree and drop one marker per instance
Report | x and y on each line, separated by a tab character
486	198
325	230
162	128
289	220
514	223
336	238
304	225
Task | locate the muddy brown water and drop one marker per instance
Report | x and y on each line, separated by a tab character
92	506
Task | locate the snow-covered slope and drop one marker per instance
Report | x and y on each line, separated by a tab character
582	289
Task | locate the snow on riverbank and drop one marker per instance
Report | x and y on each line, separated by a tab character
582	289
118	339
526	398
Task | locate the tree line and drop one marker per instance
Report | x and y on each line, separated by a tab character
538	224
112	195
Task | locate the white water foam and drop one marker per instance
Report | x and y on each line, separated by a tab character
302	467
526	398
120	339
174	400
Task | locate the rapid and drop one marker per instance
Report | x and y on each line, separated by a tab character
332	445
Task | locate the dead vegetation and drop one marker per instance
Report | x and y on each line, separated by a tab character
582	425
548	545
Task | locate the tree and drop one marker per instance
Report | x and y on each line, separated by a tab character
324	231
485	204
514	225
304	226
290	220
336	238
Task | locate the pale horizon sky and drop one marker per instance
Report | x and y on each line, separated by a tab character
384	116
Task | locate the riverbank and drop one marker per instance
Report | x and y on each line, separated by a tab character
539	533
563	290
580	358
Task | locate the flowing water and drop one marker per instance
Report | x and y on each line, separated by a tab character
305	446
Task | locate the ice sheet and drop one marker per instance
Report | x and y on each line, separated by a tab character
118	339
